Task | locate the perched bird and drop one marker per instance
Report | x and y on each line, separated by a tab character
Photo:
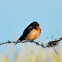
32	32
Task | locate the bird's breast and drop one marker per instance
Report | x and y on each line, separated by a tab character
34	34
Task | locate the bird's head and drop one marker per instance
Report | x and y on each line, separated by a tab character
35	25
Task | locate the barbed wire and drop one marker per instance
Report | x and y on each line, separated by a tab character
49	44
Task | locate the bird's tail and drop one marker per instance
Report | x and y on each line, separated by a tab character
20	39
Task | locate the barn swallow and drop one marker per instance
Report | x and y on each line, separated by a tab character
32	32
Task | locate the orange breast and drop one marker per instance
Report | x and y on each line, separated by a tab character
34	34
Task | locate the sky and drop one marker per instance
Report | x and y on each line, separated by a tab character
16	15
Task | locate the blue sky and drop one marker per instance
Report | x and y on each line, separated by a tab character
16	15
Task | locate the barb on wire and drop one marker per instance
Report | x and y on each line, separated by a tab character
53	43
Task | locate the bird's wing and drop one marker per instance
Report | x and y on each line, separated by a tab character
26	32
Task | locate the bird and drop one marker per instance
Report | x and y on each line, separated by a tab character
32	32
